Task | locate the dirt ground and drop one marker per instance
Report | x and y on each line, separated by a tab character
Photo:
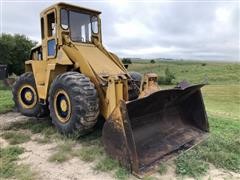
36	156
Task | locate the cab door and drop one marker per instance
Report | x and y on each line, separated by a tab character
50	40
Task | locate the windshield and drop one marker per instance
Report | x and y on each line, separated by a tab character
81	25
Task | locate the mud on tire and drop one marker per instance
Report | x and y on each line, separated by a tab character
25	97
73	103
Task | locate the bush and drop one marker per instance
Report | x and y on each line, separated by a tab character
126	61
152	61
168	78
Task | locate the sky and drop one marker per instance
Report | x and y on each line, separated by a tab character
197	30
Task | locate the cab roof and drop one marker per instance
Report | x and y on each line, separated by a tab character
70	6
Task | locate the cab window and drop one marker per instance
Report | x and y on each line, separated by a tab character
51	27
64	19
51	24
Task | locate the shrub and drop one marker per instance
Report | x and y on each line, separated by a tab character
152	61
168	78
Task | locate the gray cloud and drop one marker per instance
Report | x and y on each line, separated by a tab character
192	30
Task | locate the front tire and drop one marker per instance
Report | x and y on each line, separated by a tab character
73	103
25	97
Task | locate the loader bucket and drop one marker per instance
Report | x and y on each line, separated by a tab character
143	132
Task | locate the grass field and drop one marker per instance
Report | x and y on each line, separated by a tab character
221	95
222	100
194	72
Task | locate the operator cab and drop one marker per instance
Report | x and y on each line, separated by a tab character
64	22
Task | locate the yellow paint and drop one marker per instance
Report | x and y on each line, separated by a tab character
28	96
63	105
99	61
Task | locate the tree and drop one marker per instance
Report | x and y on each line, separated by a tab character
152	61
14	51
126	61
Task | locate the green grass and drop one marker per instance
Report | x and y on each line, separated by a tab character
43	127
3	86
6	103
9	169
194	72
15	137
222	100
88	153
106	164
222	149
191	164
121	173
35	126
222	96
8	157
162	169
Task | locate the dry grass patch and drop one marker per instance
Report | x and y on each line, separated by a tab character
162	169
16	137
63	153
9	169
88	153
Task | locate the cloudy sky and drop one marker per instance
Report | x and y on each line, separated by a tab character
203	30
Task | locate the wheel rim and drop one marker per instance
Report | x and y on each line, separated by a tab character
62	106
27	96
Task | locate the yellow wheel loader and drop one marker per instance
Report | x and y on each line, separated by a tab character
72	77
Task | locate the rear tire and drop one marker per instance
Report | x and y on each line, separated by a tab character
25	97
73	103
